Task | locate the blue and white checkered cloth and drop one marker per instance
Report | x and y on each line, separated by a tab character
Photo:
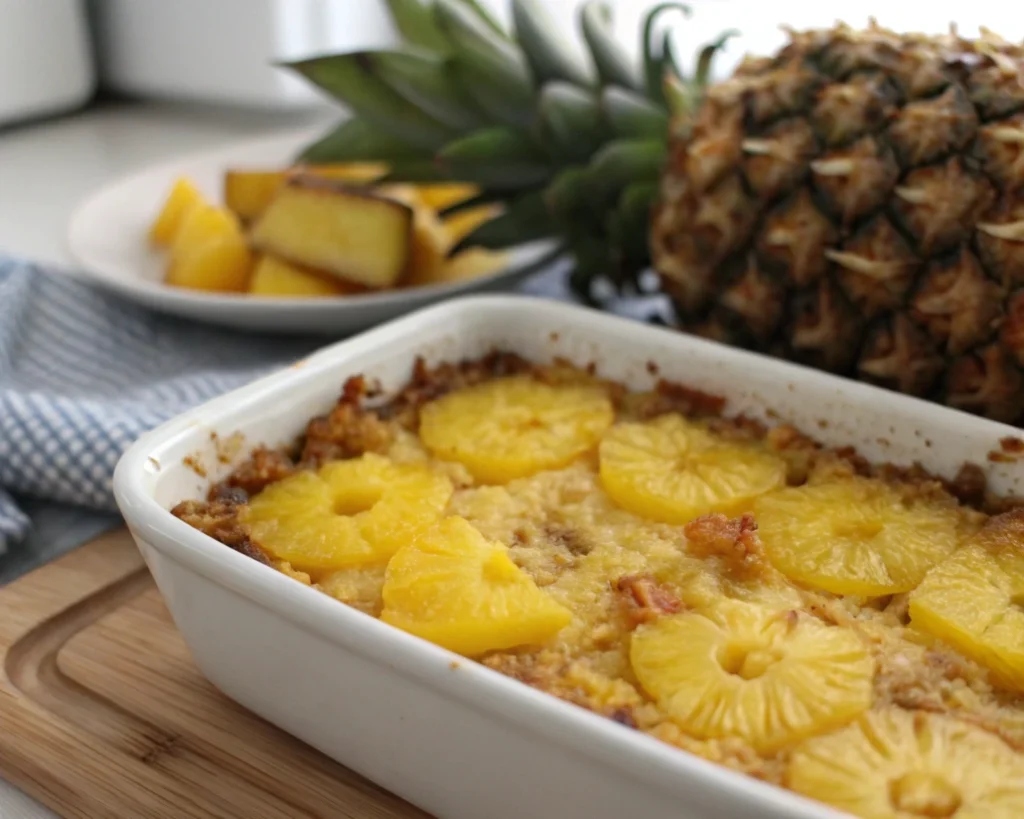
84	373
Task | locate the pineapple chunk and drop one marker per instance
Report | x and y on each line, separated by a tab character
455	588
766	676
672	471
441	195
209	252
513	427
184	196
461	223
975	599
357	236
247	192
350	513
856	536
894	764
276	277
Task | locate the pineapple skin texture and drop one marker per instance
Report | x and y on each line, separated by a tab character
853	203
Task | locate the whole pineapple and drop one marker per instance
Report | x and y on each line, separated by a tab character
852	202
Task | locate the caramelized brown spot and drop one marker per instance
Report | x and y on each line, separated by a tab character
733	539
940	204
219	520
794	239
926	130
264	467
875	267
897	354
645	598
856	180
958	303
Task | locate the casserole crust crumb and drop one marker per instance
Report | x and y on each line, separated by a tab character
728	587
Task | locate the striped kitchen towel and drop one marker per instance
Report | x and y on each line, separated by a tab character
84	373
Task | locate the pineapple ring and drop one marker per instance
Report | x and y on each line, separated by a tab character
856	536
973	600
457	589
671	471
349	513
742	670
892	763
513	427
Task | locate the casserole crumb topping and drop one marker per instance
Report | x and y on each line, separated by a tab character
851	631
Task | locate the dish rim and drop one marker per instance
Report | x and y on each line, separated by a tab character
641	756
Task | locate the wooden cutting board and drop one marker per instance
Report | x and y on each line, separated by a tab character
103	714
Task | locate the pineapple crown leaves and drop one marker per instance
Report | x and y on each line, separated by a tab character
571	143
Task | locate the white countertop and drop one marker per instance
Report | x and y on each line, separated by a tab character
47	168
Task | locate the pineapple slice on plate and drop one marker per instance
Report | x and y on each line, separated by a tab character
767	676
455	588
856	536
673	471
276	277
209	252
516	426
183	197
349	513
975	599
893	764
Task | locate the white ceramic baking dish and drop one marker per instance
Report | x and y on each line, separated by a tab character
447	734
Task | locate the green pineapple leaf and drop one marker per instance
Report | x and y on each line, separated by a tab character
357	140
495	158
414	20
349	78
630	115
613	64
569	121
549	54
426	81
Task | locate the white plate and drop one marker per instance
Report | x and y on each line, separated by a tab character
107	239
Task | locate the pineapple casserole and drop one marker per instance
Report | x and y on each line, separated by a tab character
852	632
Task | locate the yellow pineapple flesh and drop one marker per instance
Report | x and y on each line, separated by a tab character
457	589
349	513
855	536
769	677
183	197
671	470
974	601
513	427
894	764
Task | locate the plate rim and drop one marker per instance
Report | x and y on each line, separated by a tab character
141	290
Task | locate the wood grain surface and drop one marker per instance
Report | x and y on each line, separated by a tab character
103	714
